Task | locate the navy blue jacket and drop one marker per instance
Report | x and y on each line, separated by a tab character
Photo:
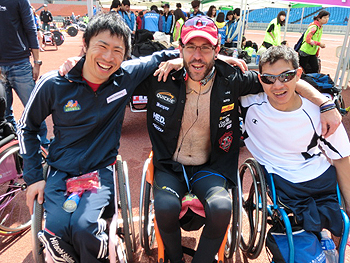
17	32
87	124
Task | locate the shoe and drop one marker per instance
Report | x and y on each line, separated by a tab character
41	49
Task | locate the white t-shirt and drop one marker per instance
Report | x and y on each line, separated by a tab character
288	143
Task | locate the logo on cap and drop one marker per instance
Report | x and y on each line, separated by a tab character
200	24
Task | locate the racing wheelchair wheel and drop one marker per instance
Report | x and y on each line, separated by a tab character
14	215
72	31
254	203
147	231
37	219
37	226
127	232
58	37
235	226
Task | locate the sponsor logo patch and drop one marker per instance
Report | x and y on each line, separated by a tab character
159	118
157	127
225	141
163	107
224	117
116	96
166	97
71	106
139	99
227	121
227	107
166	188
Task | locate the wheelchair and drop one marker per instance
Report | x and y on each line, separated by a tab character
149	232
49	39
276	212
53	38
122	242
14	215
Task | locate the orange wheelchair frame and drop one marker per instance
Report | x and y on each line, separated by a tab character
149	232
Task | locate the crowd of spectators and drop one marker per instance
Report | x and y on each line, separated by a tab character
163	19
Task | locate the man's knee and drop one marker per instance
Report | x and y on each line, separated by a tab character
218	214
167	209
219	208
88	241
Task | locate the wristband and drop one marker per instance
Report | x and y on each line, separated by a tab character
328	109
325	102
327	106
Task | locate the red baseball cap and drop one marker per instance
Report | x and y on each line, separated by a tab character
200	26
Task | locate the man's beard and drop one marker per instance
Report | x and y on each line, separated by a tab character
196	77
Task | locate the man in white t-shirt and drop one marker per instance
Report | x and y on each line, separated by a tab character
284	135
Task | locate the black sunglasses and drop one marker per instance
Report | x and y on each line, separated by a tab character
283	77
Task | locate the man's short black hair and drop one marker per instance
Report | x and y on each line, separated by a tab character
154	8
195	3
276	53
178	5
111	22
115	4
237	11
126	2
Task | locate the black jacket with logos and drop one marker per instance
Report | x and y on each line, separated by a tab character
166	102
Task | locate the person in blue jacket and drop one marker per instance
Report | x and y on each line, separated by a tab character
87	108
128	16
168	21
152	20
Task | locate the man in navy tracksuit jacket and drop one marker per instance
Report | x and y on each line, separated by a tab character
87	107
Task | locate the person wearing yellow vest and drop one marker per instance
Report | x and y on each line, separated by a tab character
221	24
180	20
273	31
249	48
311	45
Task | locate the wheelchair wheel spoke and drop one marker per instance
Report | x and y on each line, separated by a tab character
14	214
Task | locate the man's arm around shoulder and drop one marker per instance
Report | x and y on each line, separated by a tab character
330	119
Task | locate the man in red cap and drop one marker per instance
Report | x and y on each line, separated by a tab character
193	123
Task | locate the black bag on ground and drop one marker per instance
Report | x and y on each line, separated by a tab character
242	54
226	51
147	48
142	35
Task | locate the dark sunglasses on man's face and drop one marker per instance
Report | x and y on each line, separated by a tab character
283	77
